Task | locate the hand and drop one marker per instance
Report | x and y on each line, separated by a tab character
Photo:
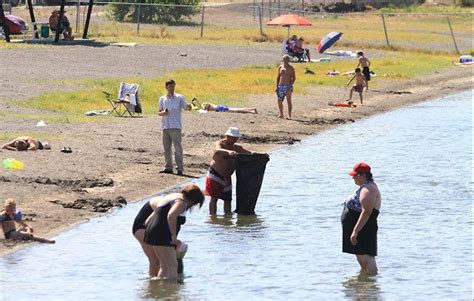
276	90
175	241
233	154
29	229
354	238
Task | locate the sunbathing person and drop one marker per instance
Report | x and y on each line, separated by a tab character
25	144
223	108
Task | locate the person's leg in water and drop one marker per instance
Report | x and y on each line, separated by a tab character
154	262
213	206
168	262
227	207
289	95
370	265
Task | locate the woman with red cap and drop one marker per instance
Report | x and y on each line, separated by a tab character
359	219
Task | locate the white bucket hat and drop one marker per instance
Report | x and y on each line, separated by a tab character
233	132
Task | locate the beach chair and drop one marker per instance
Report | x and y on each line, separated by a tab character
127	101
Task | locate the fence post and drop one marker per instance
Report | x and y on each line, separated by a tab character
302	7
202	21
260	12
139	14
279	7
452	35
385	30
254	9
270	9
78	18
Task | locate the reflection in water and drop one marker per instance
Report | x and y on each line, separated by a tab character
162	290
242	223
362	287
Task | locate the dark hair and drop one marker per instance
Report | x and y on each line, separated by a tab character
368	176
360	53
170	82
357	70
194	194
21	145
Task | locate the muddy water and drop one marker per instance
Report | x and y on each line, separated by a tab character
421	158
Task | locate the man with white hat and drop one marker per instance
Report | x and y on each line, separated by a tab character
218	178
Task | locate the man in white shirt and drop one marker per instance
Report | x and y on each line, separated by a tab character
170	107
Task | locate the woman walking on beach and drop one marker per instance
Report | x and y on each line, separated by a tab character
162	227
359	219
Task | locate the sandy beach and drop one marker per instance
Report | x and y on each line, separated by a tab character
120	160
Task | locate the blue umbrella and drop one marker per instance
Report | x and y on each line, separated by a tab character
328	41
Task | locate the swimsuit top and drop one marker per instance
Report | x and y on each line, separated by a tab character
353	202
18	216
171	203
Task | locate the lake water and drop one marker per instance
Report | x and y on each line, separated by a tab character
421	159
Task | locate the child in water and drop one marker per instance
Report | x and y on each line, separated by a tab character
8	216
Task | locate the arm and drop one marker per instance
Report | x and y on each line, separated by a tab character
161	109
293	77
350	80
173	214
10	145
278	79
368	63
150	218
242	150
25	226
367	201
186	106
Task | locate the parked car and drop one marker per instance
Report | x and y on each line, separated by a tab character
16	25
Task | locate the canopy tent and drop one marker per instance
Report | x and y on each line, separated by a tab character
61	14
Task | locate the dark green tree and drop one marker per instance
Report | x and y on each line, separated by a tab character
165	11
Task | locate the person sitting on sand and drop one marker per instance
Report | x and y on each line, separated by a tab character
223	108
8	216
64	26
25	144
361	82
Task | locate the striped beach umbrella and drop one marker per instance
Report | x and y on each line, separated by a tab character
328	41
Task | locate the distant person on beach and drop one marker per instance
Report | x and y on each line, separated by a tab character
163	227
365	64
25	144
9	216
361	82
284	85
64	26
300	50
223	108
218	178
170	107
359	219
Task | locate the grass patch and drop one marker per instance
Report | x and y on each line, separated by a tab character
224	86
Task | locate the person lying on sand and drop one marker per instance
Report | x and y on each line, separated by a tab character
25	144
223	108
8	216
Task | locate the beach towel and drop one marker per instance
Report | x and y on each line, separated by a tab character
250	170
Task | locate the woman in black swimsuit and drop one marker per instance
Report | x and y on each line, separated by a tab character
163	227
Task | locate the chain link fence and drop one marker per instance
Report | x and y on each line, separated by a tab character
241	23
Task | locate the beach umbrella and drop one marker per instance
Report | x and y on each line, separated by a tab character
328	41
289	20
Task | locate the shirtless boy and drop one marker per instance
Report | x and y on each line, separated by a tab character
284	85
218	178
365	64
361	82
9	216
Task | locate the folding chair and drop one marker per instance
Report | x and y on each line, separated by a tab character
128	100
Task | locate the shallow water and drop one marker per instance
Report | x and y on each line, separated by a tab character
421	158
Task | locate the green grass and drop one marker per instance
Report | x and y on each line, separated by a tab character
224	86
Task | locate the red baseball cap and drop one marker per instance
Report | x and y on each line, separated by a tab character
360	167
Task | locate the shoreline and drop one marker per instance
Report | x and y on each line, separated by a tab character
132	163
